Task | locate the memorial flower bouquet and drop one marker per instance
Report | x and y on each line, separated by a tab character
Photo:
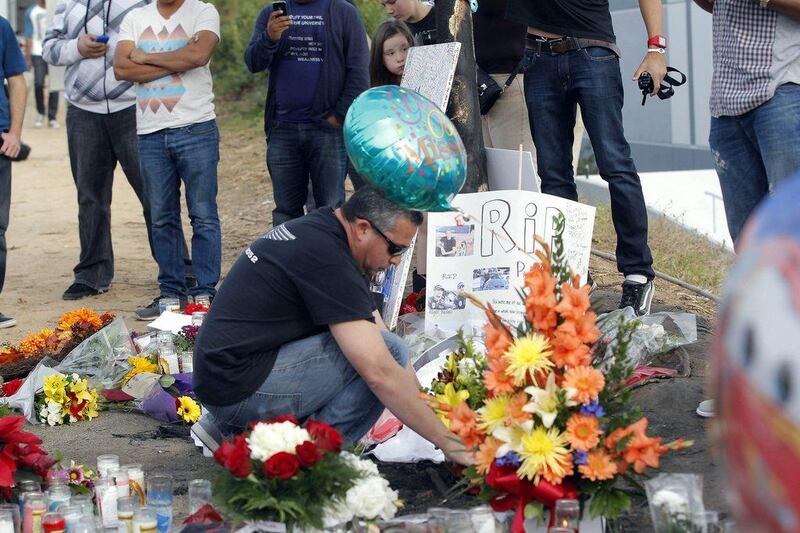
79	477
546	423
297	474
66	398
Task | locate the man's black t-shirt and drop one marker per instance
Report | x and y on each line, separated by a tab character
447	244
424	30
291	283
590	19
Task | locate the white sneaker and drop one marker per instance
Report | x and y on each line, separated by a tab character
39	121
54	125
706	409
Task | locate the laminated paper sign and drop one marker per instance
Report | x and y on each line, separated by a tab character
489	254
429	70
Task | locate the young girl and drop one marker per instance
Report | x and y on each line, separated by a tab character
388	55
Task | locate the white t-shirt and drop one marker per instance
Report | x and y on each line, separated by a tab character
179	99
38	17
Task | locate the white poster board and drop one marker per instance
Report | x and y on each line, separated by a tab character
482	256
509	170
429	70
393	287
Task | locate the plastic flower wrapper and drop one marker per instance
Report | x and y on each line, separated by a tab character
103	357
676	503
171	399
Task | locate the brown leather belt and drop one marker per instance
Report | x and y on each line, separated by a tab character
565	44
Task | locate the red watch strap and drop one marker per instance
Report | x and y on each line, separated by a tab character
657	40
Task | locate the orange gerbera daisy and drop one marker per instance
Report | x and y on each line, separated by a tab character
496	380
574	302
585	381
554	478
496	340
463	422
83	315
541	286
486	454
568	350
583	432
599	466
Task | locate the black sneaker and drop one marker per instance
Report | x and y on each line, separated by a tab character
153	310
76	291
7	321
638	296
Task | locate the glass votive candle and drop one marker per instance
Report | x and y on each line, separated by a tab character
567	514
198	317
482	519
115	527
126	506
71	513
144	520
105	494
53	523
35	507
57	495
199	494
107	463
136	481
26	486
121	479
87	524
159	489
84	502
203	299
458	520
169	304
560	530
7	524
16	518
186	360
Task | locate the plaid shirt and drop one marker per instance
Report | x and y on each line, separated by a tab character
744	35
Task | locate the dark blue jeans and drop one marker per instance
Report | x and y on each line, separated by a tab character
754	151
96	143
191	154
297	153
554	85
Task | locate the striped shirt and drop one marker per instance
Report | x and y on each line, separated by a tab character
755	50
90	83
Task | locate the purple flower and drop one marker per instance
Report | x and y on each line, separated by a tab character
593	409
509	459
59	473
580	458
76	476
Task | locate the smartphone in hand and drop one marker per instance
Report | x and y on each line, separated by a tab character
280	6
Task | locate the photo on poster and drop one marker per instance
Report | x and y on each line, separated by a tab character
455	241
446	295
491	279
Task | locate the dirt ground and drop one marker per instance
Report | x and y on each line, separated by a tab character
43	248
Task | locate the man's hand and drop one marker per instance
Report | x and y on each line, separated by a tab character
333	121
278	23
656	65
90	49
458	453
138	56
10	146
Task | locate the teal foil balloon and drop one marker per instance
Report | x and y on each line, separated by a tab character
406	147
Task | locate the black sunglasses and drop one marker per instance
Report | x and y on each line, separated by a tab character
394	248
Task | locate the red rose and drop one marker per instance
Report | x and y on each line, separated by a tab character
282	465
307	454
33	457
235	456
324	436
11	388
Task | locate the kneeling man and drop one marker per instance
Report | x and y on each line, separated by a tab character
293	330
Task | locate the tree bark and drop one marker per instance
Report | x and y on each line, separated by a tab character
454	24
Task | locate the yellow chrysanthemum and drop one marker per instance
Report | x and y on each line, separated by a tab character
83	315
188	409
530	353
55	388
139	365
543	450
493	413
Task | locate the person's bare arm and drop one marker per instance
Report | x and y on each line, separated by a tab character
17	96
653	63
125	69
705	5
379	321
395	386
196	53
790	8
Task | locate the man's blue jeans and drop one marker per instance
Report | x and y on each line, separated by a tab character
554	85
754	151
312	379
297	153
191	154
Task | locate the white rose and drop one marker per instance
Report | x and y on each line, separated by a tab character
372	498
53	407
268	439
54	419
671	502
336	514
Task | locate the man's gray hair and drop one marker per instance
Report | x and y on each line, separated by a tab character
369	204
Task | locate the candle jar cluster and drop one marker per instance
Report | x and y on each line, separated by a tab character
124	502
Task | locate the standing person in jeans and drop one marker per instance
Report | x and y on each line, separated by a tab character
755	100
316	56
12	112
178	136
35	29
572	59
101	128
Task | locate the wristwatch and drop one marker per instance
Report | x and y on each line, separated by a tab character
659	41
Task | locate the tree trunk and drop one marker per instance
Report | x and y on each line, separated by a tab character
454	24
